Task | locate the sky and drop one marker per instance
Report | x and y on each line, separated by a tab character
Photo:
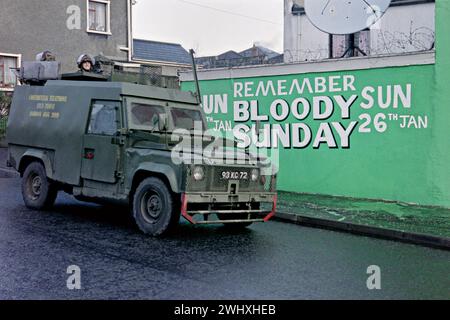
211	27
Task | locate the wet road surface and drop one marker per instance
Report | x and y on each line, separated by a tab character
268	261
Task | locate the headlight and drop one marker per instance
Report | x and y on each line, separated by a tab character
255	174
198	173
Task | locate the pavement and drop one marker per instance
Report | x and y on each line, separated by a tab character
428	226
391	220
272	260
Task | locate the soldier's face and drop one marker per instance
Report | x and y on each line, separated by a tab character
86	66
49	57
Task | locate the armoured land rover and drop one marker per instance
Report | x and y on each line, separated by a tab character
104	140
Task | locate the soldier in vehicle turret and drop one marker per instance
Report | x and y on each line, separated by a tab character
86	63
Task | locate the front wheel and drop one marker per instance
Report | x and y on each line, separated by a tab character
153	207
37	191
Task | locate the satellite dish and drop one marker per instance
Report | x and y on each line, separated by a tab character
345	16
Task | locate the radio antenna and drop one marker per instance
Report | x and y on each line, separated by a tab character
194	69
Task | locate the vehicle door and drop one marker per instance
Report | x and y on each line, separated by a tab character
101	143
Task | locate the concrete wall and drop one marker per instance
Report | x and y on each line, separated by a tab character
440	144
390	125
404	28
29	27
404	162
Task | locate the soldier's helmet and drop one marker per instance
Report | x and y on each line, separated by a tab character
45	56
85	58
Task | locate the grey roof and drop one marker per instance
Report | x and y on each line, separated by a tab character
277	59
258	51
256	55
229	55
160	51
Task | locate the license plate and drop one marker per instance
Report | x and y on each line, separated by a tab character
234	175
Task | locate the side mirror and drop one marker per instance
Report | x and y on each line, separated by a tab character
163	121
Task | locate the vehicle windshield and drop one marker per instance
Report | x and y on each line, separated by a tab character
144	116
188	119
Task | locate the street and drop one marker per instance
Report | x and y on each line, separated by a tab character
268	261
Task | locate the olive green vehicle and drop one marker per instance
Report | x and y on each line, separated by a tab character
104	141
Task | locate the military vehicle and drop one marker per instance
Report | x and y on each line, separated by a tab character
104	140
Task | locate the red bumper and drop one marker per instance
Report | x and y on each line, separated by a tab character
190	218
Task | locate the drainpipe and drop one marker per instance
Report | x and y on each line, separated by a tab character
130	31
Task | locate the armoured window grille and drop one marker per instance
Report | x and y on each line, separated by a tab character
103	120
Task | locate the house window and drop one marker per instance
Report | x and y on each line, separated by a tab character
99	16
7	77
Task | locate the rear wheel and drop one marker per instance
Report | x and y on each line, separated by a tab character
153	207
37	191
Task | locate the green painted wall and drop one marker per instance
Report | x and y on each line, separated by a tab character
399	163
440	142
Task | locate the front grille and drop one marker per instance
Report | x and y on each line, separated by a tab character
192	207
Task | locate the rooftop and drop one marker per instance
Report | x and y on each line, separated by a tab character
255	55
160	51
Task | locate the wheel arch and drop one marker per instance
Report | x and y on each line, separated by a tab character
39	156
166	174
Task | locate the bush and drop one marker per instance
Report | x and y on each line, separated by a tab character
5	104
3	122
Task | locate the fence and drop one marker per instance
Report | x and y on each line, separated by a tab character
147	75
214	62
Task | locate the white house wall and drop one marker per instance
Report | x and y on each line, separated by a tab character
302	41
402	29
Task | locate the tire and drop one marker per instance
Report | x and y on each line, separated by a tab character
233	226
154	208
38	192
